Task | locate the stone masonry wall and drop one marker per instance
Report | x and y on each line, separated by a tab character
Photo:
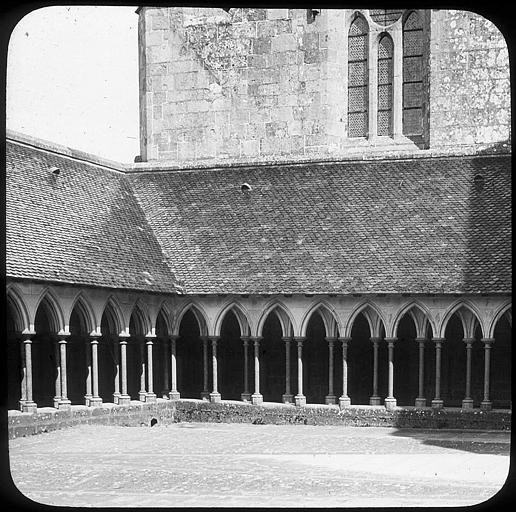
271	84
469	82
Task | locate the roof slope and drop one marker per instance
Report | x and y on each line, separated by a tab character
413	226
82	227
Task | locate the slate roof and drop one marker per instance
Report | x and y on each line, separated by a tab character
391	226
83	227
419	225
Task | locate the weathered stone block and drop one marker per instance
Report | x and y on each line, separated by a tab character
261	45
284	43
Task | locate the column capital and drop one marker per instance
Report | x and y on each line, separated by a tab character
245	338
331	339
468	341
172	337
286	339
26	337
149	339
300	338
344	339
487	341
391	340
420	339
94	338
62	337
438	340
256	338
123	338
375	339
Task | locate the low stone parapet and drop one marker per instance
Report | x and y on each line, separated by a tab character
166	411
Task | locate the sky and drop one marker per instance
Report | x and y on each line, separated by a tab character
72	79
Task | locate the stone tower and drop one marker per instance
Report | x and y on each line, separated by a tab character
254	85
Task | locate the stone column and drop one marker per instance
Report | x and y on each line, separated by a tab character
246	396
205	394
344	400
300	399
330	398
150	396
214	395
288	396
95	400
57	396
486	404
437	402
166	381
116	358
421	400
174	393
64	403
88	395
18	339
256	397
27	404
467	403
375	399
390	401
142	394
124	398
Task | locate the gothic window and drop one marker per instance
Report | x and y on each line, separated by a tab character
413	75
385	52
385	17
358	79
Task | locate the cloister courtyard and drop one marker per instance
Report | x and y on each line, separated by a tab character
245	465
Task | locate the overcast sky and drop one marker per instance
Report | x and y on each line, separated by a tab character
72	79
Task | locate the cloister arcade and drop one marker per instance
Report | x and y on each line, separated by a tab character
70	345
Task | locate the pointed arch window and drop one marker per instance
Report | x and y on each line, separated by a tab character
413	75
385	73
358	90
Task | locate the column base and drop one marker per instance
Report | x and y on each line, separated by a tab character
330	399
256	399
245	397
26	406
174	395
437	403
116	396
95	402
344	401
124	400
57	399
165	393
420	403
300	400
215	397
205	395
467	403
87	399
390	402
64	404
486	405
142	396
150	397
287	398
375	400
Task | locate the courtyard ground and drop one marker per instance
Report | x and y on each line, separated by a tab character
245	465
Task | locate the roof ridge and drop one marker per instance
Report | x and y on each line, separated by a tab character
64	151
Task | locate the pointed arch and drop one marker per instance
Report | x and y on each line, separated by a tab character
166	314
18	307
283	314
199	314
114	316
504	309
372	313
241	314
54	310
455	307
409	307
141	317
84	306
328	315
